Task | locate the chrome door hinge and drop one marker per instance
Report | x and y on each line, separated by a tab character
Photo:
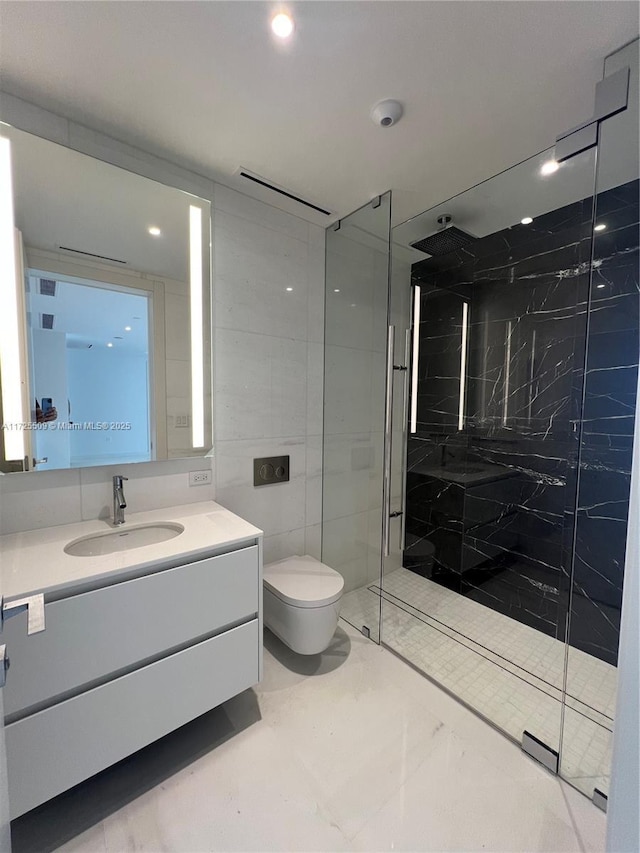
600	799
33	604
612	96
538	750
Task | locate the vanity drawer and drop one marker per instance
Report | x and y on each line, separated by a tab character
52	750
95	634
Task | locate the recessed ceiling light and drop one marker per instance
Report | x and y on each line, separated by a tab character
549	167
527	220
289	289
353	305
127	328
282	25
154	231
336	290
599	286
600	227
109	344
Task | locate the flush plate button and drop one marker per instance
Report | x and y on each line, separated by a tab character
270	469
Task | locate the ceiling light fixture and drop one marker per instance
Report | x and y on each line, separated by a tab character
549	167
599	286
154	231
336	290
109	344
600	227
282	25
527	220
127	328
288	289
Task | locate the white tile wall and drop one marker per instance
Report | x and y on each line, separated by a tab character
277	508
45	499
49	498
268	367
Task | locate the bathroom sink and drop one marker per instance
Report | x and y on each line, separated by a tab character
123	539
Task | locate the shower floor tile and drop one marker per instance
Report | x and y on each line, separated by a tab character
506	671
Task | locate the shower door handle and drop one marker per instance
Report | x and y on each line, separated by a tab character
405	438
388	418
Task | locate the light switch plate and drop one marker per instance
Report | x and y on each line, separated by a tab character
199	478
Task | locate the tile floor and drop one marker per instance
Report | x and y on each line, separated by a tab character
348	750
509	672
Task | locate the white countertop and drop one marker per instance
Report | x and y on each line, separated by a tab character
35	561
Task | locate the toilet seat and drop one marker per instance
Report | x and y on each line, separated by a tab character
303	582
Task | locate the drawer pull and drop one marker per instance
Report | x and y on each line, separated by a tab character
5	663
33	604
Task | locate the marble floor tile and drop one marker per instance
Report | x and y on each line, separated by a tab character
352	728
348	750
457	801
93	839
253	796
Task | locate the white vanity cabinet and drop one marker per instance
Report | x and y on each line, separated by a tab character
125	662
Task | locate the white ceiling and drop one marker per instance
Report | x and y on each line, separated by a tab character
484	84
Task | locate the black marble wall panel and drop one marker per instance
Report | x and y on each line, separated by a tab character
606	449
491	509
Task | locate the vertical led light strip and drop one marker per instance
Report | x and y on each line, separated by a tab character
197	341
12	411
414	358
463	365
507	365
532	373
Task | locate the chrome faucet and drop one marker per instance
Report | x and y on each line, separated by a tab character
119	503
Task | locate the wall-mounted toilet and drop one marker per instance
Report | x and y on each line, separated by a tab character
302	603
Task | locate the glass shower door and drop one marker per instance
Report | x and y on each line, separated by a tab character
356	330
497	279
606	449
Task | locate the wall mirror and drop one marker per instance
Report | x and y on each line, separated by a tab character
105	327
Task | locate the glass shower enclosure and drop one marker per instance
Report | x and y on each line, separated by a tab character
480	377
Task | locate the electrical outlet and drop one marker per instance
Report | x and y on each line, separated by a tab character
199	478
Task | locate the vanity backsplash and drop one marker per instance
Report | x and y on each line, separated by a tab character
64	497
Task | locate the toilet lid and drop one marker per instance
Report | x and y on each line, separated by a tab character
303	582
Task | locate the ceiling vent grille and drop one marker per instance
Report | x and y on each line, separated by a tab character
47	287
47	321
256	179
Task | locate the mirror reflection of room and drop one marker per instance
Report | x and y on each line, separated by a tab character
88	347
112	313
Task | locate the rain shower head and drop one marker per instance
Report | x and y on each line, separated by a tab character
446	239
